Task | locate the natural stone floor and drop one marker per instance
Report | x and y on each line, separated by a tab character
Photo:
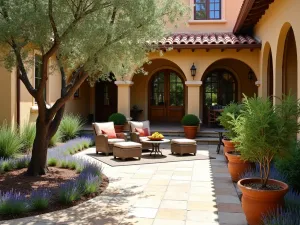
176	193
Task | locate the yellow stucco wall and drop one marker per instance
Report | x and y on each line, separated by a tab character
229	14
272	30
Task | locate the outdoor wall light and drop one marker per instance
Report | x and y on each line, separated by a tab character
193	71
251	74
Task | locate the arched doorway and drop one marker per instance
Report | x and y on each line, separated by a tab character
166	97
290	67
220	89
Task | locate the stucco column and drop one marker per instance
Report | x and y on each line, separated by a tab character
193	101
124	97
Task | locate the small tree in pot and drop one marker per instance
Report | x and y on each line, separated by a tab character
119	121
263	132
236	165
190	124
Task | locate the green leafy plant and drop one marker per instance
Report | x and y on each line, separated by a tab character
226	118
289	166
117	118
190	120
70	126
55	139
10	143
265	131
27	135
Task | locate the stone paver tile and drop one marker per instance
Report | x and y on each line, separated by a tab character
180	196
142	213
207	184
232	218
159	182
173	204
202	223
175	177
156	188
230	207
183	173
184	169
202	198
168	222
185	188
146	171
202	216
225	191
137	221
162	172
142	176
202	190
148	203
227	199
181	183
161	177
152	194
202	206
136	181
225	175
171	214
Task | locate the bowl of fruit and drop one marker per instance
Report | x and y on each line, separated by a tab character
156	137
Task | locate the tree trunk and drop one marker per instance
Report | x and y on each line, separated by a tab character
38	162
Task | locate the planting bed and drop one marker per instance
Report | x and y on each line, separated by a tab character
70	181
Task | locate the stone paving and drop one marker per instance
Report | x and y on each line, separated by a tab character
178	193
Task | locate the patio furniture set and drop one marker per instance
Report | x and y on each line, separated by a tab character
107	141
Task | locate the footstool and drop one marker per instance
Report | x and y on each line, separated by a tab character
128	149
182	146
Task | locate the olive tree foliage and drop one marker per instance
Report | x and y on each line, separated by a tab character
83	39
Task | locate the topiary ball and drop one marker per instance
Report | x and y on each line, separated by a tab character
117	118
190	120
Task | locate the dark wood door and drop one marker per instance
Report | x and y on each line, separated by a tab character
106	99
166	97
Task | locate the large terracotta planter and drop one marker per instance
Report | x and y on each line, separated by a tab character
237	166
190	131
228	147
257	203
119	128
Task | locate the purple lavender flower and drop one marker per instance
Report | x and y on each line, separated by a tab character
69	192
39	199
12	203
288	216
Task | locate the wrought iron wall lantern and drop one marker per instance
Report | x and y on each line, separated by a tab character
193	71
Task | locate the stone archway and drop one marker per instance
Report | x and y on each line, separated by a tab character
289	65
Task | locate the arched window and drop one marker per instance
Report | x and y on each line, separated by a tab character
220	88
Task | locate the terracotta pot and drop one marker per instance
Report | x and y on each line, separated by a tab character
257	203
190	131
228	147
119	128
237	166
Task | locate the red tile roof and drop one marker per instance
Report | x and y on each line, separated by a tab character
207	39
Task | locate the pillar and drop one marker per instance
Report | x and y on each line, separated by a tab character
193	100
124	97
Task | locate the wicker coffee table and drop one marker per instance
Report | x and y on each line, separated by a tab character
155	146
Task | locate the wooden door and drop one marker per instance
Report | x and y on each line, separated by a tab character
166	97
106	99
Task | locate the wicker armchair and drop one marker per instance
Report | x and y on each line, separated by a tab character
102	142
135	137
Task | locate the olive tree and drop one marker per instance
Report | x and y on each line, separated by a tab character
86	40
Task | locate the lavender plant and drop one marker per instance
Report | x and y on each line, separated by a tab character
39	199
69	192
12	203
288	216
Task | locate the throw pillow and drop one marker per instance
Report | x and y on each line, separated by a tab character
110	133
143	132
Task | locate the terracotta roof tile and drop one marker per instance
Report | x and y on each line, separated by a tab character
207	39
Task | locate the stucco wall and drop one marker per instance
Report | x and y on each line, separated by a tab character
229	14
272	30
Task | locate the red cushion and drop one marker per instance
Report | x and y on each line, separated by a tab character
110	133
143	132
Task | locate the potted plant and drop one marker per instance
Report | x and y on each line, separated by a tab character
190	124
119	121
264	132
236	166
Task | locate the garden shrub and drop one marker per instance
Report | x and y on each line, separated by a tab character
117	118
289	166
287	216
69	192
55	139
12	203
39	199
70	127
10	143
27	135
190	120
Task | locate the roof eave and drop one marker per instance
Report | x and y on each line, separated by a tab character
211	46
245	9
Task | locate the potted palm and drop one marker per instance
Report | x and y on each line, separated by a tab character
190	124
119	121
264	132
236	165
